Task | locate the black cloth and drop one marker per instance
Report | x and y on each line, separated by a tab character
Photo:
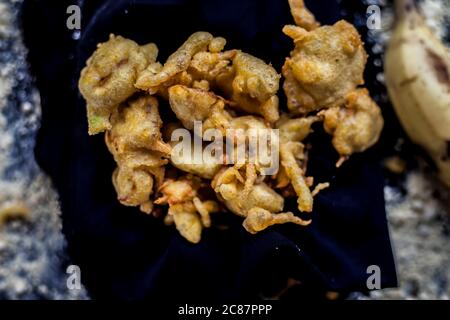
124	254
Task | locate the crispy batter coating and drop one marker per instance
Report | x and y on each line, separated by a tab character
252	131
205	170
188	212
302	16
295	129
252	85
259	219
190	104
178	191
323	72
182	160
151	80
137	125
326	64
293	160
260	207
229	184
133	186
135	176
242	131
136	144
247	128
217	44
355	127
98	119
109	76
207	65
204	208
187	221
290	153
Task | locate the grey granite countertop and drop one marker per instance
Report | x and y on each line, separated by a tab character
32	259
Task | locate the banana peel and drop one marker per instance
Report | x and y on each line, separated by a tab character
417	72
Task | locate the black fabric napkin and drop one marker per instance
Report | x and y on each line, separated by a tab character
124	254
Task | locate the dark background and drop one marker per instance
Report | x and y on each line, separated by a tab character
124	254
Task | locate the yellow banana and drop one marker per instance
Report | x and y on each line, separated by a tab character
417	71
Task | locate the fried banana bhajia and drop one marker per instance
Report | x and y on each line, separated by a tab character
246	130
152	79
261	207
234	93
182	160
190	104
188	212
136	144
356	126
326	64
109	76
302	16
252	85
324	72
209	65
259	219
293	160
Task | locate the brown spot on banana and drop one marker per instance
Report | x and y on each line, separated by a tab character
408	81
440	68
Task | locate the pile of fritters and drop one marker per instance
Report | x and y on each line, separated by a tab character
123	82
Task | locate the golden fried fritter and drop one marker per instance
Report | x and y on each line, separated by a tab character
133	185
190	105
137	125
323	72
151	80
217	44
302	16
295	129
290	153
181	159
293	160
109	76
326	64
98	119
261	207
252	85
207	66
178	191
259	219
189	213
248	123
187	221
229	184
248	135
205	170
136	144
355	127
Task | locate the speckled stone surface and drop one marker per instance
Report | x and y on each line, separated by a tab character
32	260
418	206
419	227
